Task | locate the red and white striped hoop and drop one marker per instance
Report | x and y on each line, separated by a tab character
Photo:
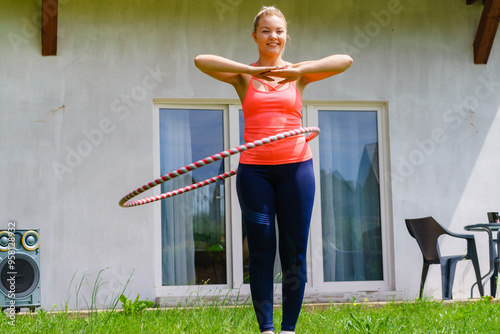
124	202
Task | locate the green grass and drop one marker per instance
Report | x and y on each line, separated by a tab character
475	316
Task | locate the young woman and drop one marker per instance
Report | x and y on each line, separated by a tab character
275	181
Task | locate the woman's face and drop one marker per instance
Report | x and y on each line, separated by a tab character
270	34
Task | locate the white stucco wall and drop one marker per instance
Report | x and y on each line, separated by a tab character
66	175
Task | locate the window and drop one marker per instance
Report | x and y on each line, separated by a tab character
350	196
192	225
202	239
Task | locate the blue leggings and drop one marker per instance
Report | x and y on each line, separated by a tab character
286	192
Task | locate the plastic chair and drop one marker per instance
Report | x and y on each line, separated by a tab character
427	231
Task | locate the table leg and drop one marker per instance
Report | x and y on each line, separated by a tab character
494	278
493	281
492	255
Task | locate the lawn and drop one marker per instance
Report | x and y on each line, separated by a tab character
421	316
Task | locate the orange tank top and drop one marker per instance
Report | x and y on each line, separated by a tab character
269	113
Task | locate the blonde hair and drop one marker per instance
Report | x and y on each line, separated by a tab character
267	11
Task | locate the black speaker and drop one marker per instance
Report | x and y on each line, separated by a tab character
19	268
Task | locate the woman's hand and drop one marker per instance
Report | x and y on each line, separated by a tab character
288	73
262	72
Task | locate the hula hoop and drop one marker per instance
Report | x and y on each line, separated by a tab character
124	202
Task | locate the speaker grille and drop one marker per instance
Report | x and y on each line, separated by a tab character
26	275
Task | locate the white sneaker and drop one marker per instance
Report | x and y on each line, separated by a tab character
268	332
286	332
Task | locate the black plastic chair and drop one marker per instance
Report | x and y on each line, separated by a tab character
427	231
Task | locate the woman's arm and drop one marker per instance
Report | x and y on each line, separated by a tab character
227	70
220	68
314	70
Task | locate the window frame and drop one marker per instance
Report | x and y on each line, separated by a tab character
315	255
185	290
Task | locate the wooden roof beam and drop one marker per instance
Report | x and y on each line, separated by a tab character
50	10
486	31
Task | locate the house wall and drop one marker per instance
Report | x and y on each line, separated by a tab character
65	175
